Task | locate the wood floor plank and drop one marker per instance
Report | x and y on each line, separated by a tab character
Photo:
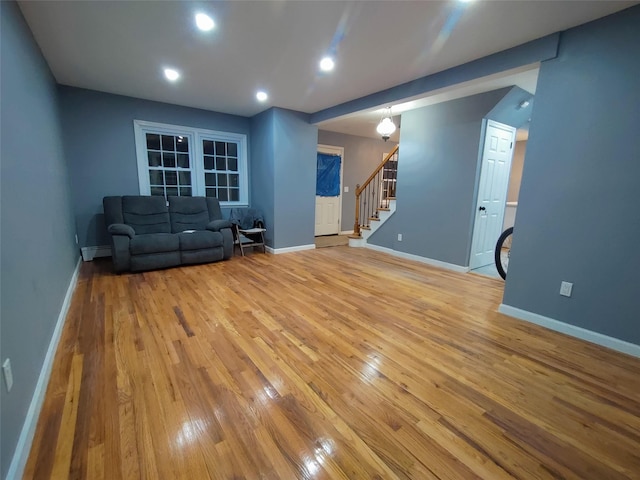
335	363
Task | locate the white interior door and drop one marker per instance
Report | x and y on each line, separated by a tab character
329	209
492	192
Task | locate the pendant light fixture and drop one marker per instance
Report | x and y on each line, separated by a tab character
386	126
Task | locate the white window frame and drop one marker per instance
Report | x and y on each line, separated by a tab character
196	156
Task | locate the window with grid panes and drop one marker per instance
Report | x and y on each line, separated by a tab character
184	161
169	164
221	177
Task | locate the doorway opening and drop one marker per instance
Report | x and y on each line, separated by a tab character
329	170
513	191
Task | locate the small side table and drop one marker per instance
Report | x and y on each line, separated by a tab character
245	242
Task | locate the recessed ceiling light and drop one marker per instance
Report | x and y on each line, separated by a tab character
261	96
327	64
204	22
466	1
171	74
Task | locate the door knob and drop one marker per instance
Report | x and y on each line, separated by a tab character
482	209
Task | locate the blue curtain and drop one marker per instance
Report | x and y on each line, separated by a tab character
328	178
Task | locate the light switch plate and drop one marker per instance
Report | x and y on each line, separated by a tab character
565	289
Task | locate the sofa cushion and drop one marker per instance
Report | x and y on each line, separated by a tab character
146	214
188	213
154	243
152	261
199	240
202	256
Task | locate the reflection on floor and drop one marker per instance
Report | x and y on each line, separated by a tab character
488	271
331	241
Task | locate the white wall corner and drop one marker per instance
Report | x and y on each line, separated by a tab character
23	447
571	330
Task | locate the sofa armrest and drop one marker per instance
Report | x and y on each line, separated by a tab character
217	225
121	229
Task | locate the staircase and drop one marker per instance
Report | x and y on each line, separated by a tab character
375	200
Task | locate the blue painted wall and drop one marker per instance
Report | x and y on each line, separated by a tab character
578	212
361	156
283	164
100	147
295	147
38	252
508	110
437	171
262	166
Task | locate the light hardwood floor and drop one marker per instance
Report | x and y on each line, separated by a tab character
295	366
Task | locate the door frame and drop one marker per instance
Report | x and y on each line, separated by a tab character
334	150
483	136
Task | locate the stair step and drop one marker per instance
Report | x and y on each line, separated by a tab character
355	237
381	209
390	198
374	219
365	227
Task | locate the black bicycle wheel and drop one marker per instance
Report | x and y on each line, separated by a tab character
503	252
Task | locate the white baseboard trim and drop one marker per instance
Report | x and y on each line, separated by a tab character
19	460
572	330
357	242
297	248
89	253
417	258
346	232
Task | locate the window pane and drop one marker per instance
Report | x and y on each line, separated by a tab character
155	177
234	180
233	164
183	160
210	179
158	191
234	194
172	191
185	191
222	194
153	141
155	160
169	160
232	150
222	179
170	178
220	148
221	163
207	146
208	162
211	192
185	178
182	144
168	143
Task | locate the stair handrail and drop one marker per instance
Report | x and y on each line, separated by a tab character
360	189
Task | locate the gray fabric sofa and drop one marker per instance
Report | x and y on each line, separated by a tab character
146	234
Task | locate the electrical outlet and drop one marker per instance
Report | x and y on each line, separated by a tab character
399	237
8	375
565	289
346	189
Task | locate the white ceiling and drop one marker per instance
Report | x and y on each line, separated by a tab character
121	46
